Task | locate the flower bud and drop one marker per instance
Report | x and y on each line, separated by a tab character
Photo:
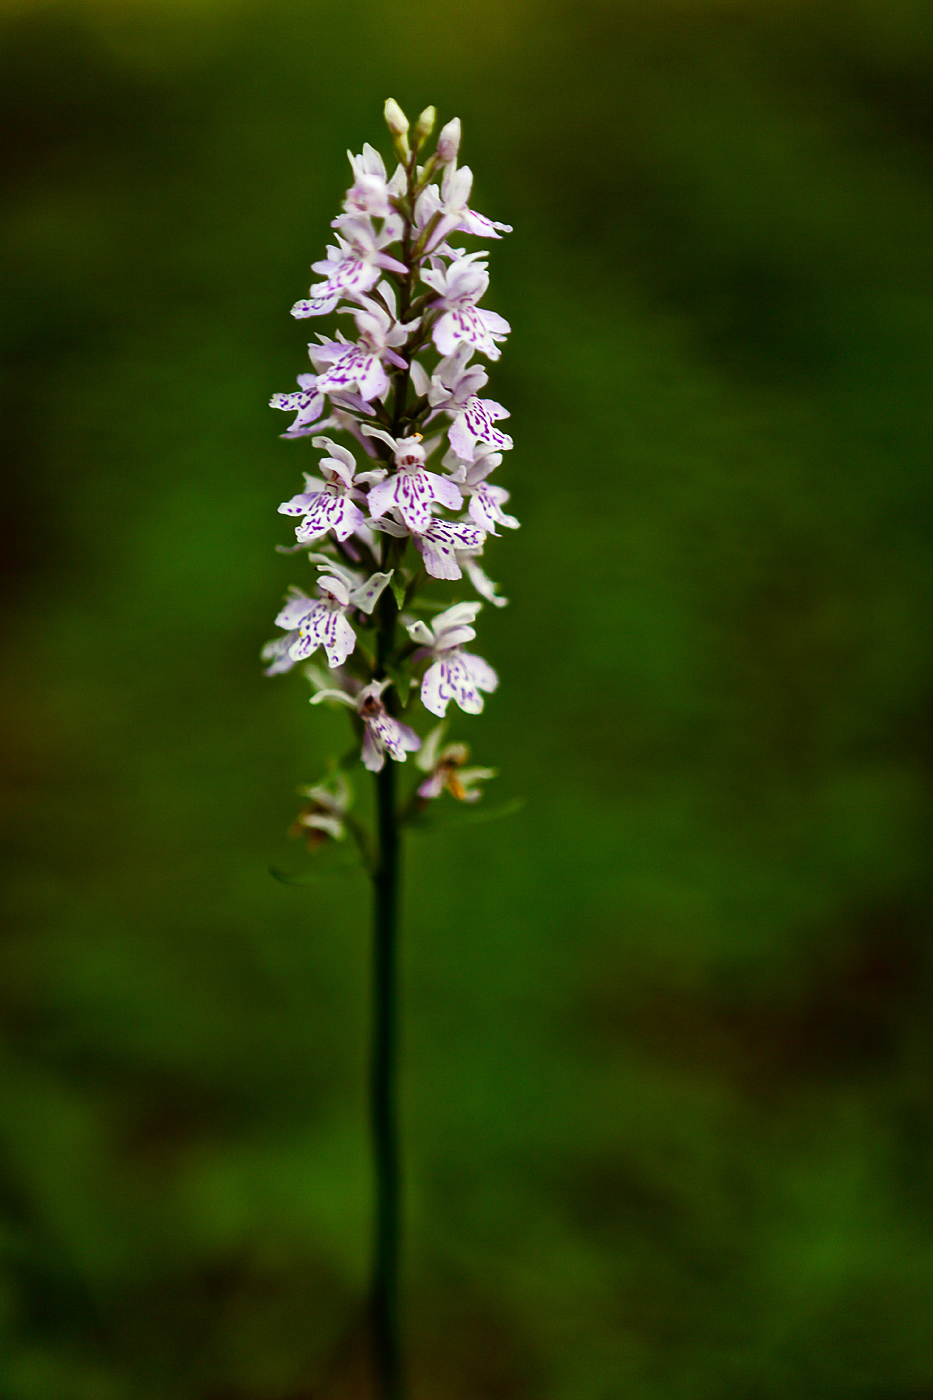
424	126
448	143
396	120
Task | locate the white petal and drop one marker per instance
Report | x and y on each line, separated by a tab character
404	740
497	325
434	785
372	691
319	519
340	639
351	518
381	497
436	691
379	433
463	687
445	331
335	587
445	491
462	534
302	503
368	594
453	637
483	583
421	633
479	511
388	526
419	379
439	557
297	607
481	672
462	440
372	378
373	757
460	615
340	468
413	496
277	654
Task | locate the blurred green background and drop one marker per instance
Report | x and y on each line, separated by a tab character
667	1091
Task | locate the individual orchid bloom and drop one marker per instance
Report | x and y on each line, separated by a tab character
322	622
454	674
369	193
327	505
440	542
308	401
343	366
454	381
460	287
352	268
486	501
411	488
350	367
445	769
453	387
383	733
324	815
451	203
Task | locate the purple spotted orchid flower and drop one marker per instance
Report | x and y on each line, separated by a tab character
453	674
486	500
447	211
370	192
343	366
459	288
328	504
412	488
441	544
353	267
453	388
310	623
383	733
445	769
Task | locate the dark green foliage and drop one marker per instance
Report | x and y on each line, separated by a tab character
667	1029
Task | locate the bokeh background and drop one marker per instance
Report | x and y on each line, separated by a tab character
667	1089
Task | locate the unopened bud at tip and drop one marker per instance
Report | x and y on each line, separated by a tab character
425	125
396	120
448	143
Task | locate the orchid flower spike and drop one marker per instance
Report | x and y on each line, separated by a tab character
403	493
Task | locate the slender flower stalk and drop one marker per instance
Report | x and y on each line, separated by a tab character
401	501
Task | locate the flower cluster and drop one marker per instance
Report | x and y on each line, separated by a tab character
405	497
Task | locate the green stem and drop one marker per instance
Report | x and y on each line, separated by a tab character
384	1113
384	1107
